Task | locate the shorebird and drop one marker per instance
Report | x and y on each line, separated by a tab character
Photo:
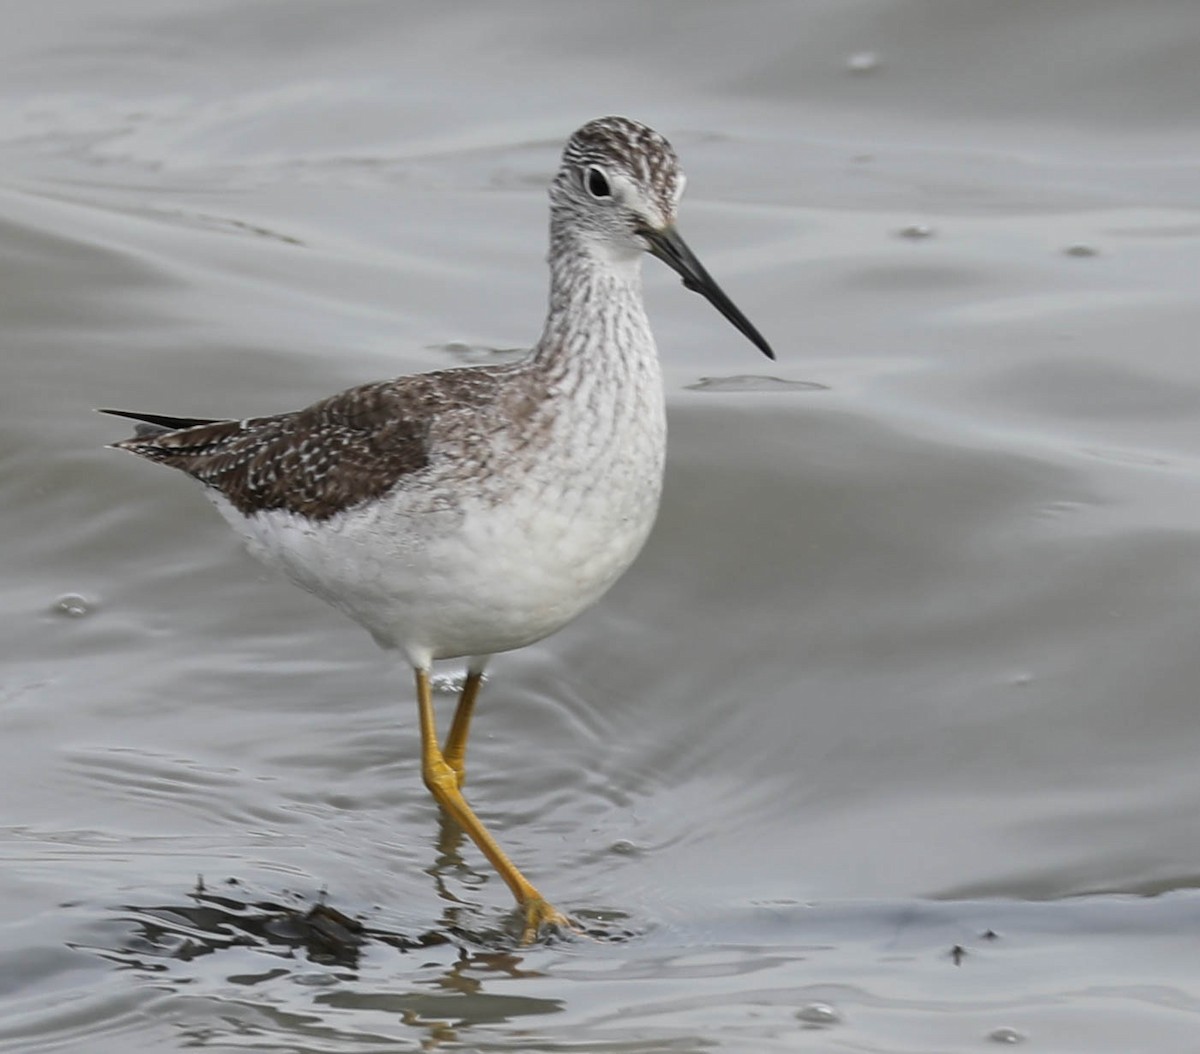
471	511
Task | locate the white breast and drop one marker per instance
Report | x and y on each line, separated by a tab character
440	574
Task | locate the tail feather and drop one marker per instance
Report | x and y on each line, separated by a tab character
153	424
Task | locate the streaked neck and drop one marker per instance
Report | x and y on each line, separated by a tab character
596	314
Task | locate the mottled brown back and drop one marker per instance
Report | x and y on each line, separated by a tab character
339	452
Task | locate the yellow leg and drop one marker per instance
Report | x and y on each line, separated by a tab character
442	781
455	750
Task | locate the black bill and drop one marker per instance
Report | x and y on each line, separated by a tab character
669	247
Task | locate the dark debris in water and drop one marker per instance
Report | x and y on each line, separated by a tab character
959	952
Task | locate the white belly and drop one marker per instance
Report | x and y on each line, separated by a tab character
474	575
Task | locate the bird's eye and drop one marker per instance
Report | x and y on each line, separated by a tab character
597	183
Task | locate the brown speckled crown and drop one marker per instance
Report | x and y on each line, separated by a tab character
642	152
636	148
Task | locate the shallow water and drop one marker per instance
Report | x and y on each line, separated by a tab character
887	743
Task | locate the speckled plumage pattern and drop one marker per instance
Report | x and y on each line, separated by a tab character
472	511
645	155
349	448
475	510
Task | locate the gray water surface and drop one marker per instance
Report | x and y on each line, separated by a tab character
887	742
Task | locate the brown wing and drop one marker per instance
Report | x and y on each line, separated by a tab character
337	453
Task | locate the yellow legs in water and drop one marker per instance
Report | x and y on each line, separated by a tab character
444	771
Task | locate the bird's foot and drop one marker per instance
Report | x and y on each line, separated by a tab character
541	914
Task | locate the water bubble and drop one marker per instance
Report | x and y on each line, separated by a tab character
1080	249
1005	1035
624	847
72	605
819	1015
314	980
863	62
916	231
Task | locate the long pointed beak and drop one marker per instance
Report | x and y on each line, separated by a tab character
669	247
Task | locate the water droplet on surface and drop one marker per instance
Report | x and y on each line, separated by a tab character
916	231
624	847
1005	1035
314	980
819	1014
863	62
1081	250
72	605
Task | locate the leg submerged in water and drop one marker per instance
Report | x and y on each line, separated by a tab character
443	780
